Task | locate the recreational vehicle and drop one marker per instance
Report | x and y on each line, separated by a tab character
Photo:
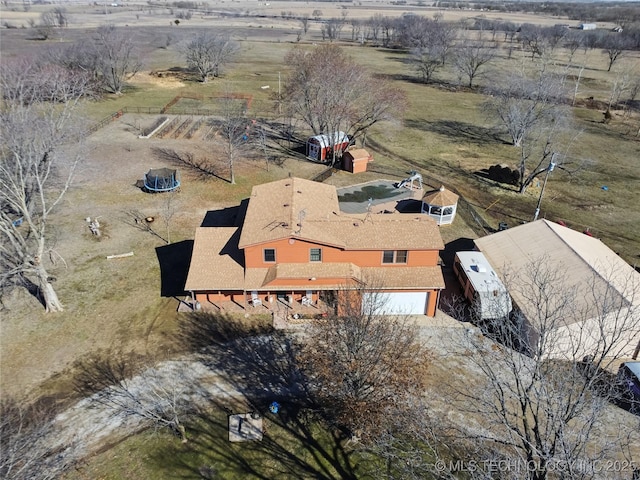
481	286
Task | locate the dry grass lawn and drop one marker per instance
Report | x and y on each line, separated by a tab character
120	304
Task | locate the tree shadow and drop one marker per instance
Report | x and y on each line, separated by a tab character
293	446
203	167
174	260
262	364
457	131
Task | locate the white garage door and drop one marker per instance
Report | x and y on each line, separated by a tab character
396	303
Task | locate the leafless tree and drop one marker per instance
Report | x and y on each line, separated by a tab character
61	16
79	57
157	396
37	120
116	56
332	28
471	57
304	22
614	46
23	452
426	61
168	210
46	27
530	108
207	53
522	102
362	366
533	39
233	132
545	405
330	93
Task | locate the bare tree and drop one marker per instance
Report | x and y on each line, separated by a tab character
116	56
471	57
426	61
304	23
614	46
545	405
207	53
61	16
332	28
157	396
168	210
521	102
533	39
531	110
362	366
23	451
330	93
35	172
233	132
47	25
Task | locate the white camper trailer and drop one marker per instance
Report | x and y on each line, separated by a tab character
481	286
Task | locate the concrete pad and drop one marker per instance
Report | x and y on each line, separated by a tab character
243	427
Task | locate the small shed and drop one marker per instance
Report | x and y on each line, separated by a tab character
441	205
321	147
356	160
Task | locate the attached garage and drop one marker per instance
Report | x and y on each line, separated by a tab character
396	303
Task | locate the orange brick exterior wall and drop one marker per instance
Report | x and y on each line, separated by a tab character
298	252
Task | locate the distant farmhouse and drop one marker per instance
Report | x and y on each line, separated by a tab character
294	247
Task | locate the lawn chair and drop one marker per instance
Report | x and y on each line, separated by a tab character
307	300
255	299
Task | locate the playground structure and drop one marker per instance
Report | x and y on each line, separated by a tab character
161	180
409	182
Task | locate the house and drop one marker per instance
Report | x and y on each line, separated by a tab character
295	247
355	160
481	286
603	290
320	148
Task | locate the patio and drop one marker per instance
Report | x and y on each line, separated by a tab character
285	315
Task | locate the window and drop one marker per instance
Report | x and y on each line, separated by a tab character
394	256
315	254
269	255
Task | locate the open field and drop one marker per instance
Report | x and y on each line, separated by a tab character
129	304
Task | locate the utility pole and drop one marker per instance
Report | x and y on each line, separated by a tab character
550	168
279	96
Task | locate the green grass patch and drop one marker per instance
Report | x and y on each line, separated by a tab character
294	446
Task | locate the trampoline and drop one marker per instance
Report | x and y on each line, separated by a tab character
161	180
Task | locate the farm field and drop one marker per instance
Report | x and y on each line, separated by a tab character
129	304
